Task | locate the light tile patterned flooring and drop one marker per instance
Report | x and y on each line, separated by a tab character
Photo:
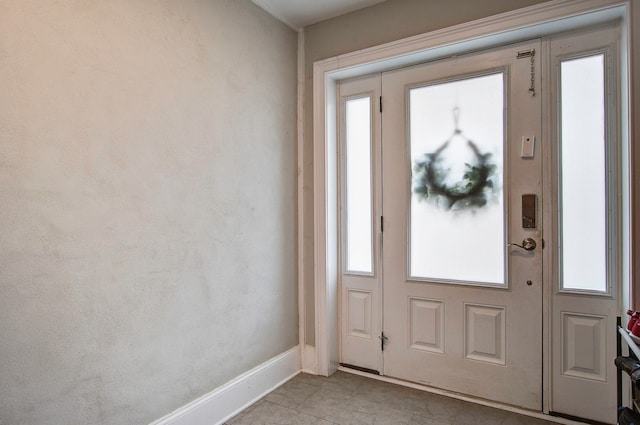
349	399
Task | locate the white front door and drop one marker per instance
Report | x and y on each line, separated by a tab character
461	180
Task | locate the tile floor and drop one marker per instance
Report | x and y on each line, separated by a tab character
345	398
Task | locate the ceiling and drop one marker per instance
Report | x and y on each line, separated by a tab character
300	13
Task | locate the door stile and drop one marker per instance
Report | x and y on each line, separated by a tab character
547	227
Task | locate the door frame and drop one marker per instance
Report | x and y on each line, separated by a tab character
535	21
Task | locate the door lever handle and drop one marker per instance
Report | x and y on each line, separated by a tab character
528	244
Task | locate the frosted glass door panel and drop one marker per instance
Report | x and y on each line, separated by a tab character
457	208
584	240
358	186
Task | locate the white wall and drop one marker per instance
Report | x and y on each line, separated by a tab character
147	204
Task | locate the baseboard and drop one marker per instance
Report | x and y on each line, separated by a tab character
230	399
309	360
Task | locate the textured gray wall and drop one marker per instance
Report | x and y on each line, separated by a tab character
382	23
147	204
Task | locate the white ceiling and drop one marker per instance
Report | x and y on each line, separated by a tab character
300	13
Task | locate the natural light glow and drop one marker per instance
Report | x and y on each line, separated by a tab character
358	188
583	182
456	241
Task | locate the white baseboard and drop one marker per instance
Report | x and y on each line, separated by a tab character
230	399
309	360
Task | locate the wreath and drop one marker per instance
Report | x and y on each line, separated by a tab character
472	191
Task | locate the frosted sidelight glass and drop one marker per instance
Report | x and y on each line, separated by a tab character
457	206
358	186
583	186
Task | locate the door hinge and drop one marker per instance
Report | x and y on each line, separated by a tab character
383	339
381	224
380	104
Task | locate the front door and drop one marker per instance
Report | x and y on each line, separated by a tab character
444	170
462	251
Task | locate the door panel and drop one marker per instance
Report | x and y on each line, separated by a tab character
426	325
583	346
360	313
458	310
485	333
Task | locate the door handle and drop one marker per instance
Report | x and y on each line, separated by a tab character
528	244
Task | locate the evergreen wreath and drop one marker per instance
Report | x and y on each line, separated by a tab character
472	191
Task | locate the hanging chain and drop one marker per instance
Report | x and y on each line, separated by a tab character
531	54
532	87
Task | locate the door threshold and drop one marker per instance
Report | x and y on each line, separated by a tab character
360	369
463	397
576	419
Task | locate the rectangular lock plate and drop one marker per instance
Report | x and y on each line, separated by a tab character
529	201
